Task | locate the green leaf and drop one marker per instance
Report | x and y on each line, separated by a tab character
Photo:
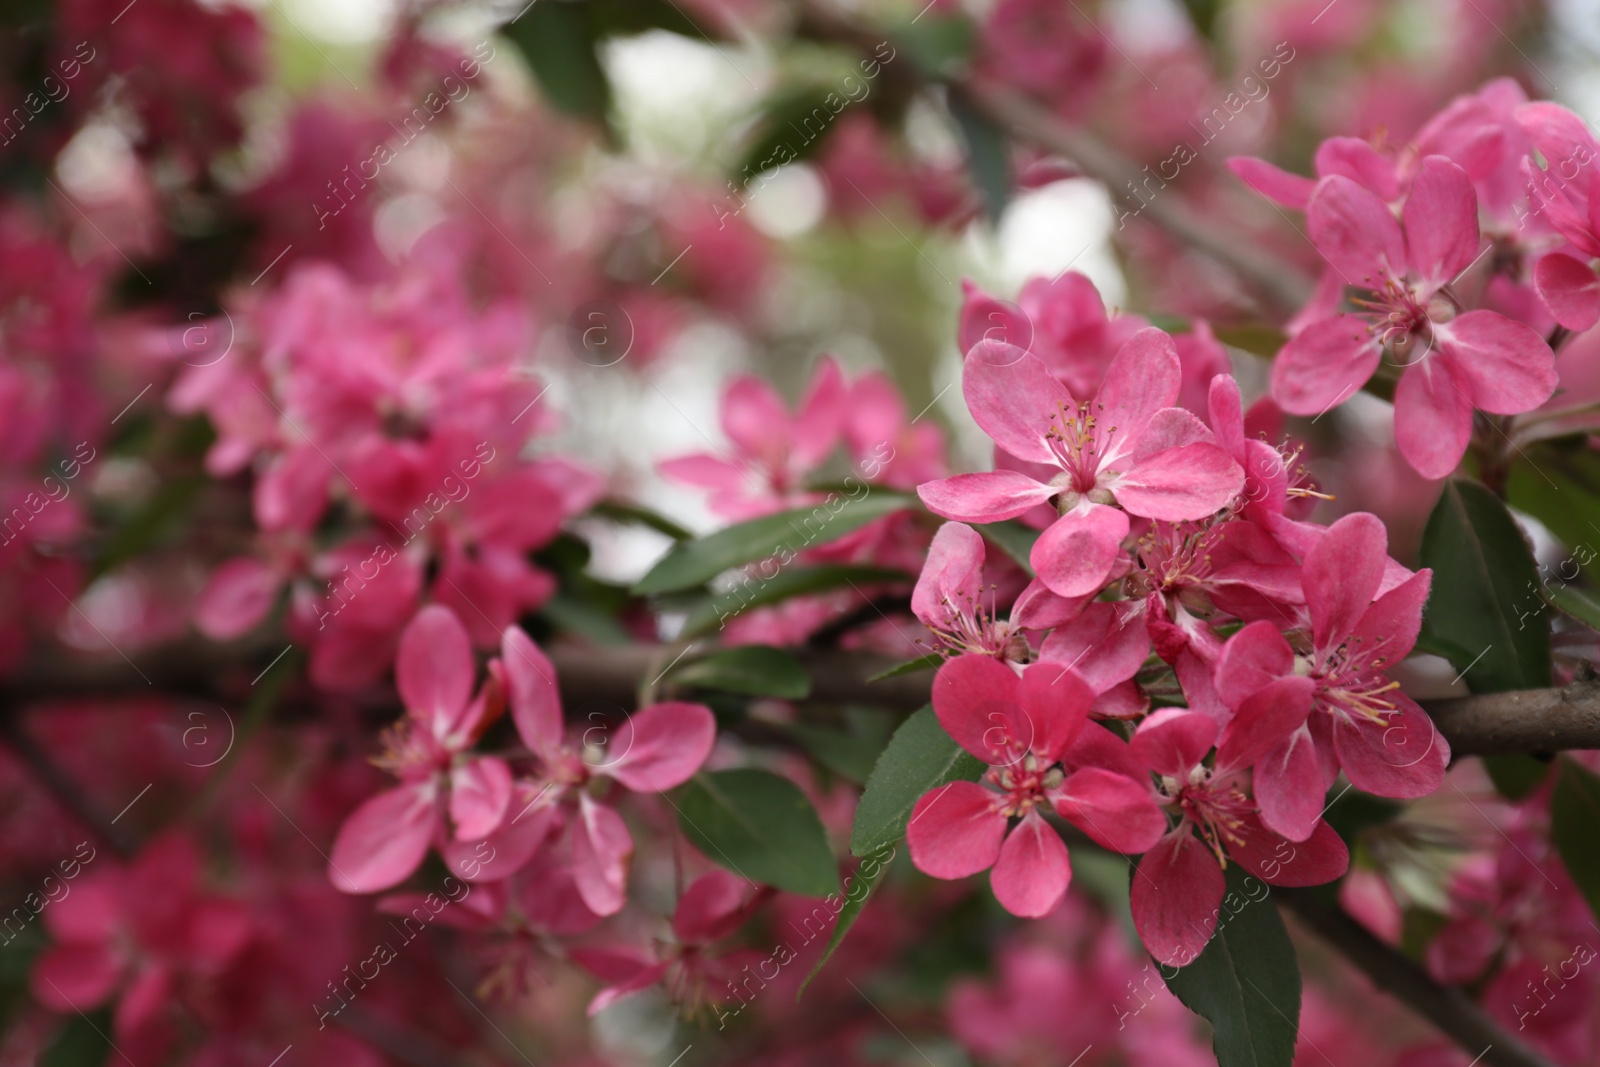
1246	983
851	752
937	44
634	514
910	666
752	592
751	670
793	123
1516	775
559	40
626	17
1013	538
857	888
152	522
1559	484
760	827
920	757
788	533
988	154
82	1042
1579	603
1483	610
1574	825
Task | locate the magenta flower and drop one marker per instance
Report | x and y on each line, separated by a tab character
1021	726
949	600
1128	451
1454	361
655	749
1178	887
1346	711
1565	196
445	792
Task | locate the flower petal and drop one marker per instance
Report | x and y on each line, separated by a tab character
1176	894
1505	367
1324	364
1570	289
238	595
1173	741
1432	417
1180	483
1264	720
1289	785
1253	657
1277	185
992	496
1341	576
976	700
1032	873
1144	376
1356	233
433	668
601	852
660	747
384	839
1319	859
1404	757
1054	701
1116	811
1074	556
955	830
1014	398
952	576
480	790
1441	222
531	686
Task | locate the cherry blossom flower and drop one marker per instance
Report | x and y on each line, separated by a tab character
1126	452
1345	710
1455	360
1021	726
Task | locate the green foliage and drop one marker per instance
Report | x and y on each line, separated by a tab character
850	752
1575	825
750	670
711	613
1246	983
858	887
988	154
920	757
783	536
760	827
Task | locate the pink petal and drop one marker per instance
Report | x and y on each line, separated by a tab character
660	747
952	576
552	904
480	790
955	830
1037	608
1176	893
1174	741
1317	860
1360	162
601	852
1116	811
531	684
1441	222
1356	233
1054	703
1144	377
1265	719
1432	417
755	419
530	817
635	983
75	977
1570	289
1290	190
433	669
1504	365
1405	757
1032	873
985	318
708	472
1463	950
976	700
1013	397
1324	365
143	1002
238	595
1557	133
1387	631
1225	406
1180	483
1289	785
1172	428
1342	574
1105	645
384	839
1252	658
989	497
821	415
712	908
1074	556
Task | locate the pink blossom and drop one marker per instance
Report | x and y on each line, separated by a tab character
1455	360
1178	888
1021	726
1334	686
1126	452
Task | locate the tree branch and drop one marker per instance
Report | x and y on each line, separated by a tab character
1448	1008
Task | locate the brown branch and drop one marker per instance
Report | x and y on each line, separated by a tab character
1448	1008
1281	284
1536	721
